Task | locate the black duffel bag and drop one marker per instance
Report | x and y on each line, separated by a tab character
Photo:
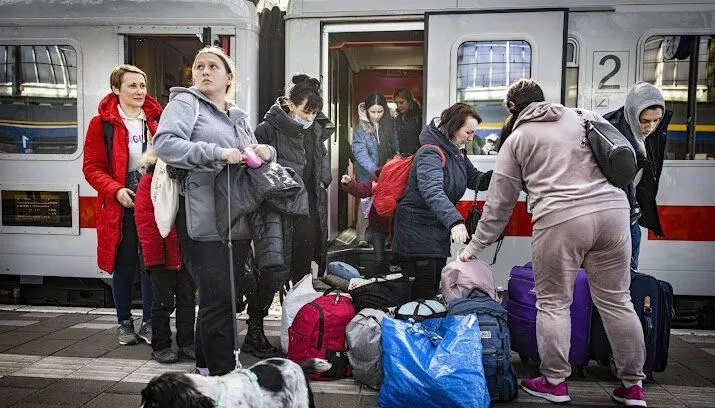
382	292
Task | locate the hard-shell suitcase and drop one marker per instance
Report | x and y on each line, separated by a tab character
521	315
653	302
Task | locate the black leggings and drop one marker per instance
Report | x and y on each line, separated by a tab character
166	284
427	273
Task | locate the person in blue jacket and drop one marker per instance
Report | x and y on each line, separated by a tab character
426	216
374	143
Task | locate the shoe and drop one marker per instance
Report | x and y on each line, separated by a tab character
144	332
632	397
125	333
188	352
540	387
165	356
256	342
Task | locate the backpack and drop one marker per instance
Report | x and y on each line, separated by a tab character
364	337
318	331
496	342
392	182
459	277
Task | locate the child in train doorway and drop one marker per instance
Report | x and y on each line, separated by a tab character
169	280
111	166
374	143
643	120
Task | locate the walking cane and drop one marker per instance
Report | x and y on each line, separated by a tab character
232	275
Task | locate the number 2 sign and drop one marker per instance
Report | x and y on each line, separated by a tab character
610	71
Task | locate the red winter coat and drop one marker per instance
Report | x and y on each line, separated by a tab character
108	181
376	222
155	249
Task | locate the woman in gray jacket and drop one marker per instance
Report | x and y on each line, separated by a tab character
201	131
579	218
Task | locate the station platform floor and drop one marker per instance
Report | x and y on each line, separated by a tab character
69	357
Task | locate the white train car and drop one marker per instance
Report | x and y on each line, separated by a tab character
583	53
55	60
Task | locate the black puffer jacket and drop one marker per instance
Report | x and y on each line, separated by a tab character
427	211
643	197
288	138
408	126
270	197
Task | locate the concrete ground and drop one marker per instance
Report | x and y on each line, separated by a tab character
69	357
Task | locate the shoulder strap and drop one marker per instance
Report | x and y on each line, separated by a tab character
196	114
108	130
439	149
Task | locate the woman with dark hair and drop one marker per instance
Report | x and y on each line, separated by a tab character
426	216
373	145
297	129
408	122
579	218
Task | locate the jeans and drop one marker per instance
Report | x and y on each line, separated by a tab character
125	268
305	238
168	284
635	245
379	265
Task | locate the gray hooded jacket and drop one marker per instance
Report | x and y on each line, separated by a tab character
641	97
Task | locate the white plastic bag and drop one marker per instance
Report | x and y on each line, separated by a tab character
165	197
299	295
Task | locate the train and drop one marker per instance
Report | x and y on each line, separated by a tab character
55	58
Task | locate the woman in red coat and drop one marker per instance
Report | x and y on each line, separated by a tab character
111	166
163	261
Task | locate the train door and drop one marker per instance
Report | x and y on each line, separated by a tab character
359	59
473	57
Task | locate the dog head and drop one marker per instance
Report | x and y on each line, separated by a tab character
173	390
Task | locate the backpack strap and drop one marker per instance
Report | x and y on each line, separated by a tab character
439	149
108	130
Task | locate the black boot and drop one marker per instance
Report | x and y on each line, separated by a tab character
256	342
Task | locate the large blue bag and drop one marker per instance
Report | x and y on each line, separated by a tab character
436	363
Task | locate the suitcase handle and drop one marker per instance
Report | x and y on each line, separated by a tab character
647	329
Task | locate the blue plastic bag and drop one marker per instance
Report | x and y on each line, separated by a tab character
435	363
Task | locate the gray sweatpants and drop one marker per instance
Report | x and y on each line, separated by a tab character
602	243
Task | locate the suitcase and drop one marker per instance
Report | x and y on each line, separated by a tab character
653	301
521	316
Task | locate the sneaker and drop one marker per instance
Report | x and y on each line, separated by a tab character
125	333
188	352
144	332
632	397
540	387
165	356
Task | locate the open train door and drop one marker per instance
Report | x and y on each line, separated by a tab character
484	51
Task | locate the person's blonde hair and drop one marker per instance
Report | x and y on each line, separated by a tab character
115	78
227	64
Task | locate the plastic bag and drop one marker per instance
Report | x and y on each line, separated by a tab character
435	363
165	197
299	295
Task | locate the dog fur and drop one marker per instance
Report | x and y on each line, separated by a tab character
283	384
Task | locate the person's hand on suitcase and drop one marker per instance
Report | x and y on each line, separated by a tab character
459	233
465	254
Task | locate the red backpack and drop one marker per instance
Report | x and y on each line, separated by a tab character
393	181
318	331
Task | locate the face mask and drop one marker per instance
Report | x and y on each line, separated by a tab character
306	123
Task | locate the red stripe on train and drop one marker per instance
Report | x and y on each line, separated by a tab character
680	222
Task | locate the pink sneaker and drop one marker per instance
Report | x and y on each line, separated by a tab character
632	397
540	387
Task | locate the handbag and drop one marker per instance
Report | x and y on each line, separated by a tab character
201	211
613	152
381	292
164	197
473	217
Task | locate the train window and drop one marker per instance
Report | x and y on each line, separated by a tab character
668	65
36	209
485	69
571	73
38	99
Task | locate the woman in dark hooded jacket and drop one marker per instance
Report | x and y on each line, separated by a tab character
408	122
297	129
426	216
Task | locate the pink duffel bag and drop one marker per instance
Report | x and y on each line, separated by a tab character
459	277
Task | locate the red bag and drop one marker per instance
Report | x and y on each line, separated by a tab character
318	331
393	181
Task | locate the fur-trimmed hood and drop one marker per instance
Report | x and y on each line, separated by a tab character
364	121
148	159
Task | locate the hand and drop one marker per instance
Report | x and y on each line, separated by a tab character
125	197
232	156
262	151
459	233
465	254
346	179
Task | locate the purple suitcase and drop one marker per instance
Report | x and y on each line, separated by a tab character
521	315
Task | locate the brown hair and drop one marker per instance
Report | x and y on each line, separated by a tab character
519	95
227	64
453	118
117	75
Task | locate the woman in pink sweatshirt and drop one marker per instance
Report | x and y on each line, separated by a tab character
579	218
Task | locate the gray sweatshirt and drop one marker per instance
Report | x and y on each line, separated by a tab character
190	141
641	97
544	155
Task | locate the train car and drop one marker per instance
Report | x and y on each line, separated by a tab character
55	60
584	54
